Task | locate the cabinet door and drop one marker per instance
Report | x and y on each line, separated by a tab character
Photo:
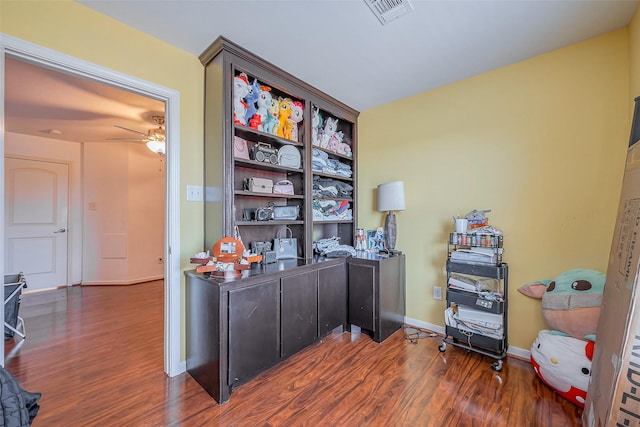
332	298
299	301
362	282
253	330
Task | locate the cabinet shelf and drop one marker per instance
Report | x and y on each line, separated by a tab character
259	136
265	166
271	222
328	175
333	153
334	221
268	195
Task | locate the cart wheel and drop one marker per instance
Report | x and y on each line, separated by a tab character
497	366
442	347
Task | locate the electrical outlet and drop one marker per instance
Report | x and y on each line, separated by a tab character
437	292
195	193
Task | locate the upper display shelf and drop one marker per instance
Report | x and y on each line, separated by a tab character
266	109
330	133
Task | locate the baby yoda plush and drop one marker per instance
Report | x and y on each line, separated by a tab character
570	301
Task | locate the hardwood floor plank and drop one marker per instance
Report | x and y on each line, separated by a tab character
97	358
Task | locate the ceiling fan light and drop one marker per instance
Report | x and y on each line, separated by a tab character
156	134
157	147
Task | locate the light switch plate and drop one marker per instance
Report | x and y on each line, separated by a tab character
195	193
437	292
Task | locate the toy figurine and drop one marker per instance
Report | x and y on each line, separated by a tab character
263	103
297	111
330	127
316	125
240	90
271	124
283	115
250	99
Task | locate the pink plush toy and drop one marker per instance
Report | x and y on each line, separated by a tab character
570	301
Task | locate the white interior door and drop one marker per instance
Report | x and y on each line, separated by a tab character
36	210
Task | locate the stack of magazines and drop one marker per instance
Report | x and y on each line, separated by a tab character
471	284
476	255
470	321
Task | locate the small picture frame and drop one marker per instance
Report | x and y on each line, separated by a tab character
375	239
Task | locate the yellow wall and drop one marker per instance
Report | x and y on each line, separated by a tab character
76	30
634	55
541	142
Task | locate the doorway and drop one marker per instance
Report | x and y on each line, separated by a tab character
48	58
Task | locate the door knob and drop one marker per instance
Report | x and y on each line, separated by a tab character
62	230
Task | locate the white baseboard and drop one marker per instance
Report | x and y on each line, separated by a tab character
513	351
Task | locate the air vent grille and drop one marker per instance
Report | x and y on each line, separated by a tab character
388	10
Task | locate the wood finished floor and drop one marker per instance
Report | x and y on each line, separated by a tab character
95	354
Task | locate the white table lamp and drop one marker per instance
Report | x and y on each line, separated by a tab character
391	199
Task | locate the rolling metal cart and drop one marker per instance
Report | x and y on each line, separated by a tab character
13	323
491	305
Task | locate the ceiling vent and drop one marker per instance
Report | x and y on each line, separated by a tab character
388	10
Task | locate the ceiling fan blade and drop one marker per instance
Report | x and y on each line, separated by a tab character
131	130
127	139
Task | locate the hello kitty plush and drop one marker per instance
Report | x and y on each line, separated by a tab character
240	90
297	111
250	99
564	364
283	115
330	127
272	124
263	103
316	125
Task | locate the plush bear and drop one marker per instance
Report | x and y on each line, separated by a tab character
570	301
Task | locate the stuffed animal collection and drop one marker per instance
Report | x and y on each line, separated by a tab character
255	106
561	357
325	134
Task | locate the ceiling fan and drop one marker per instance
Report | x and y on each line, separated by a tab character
154	138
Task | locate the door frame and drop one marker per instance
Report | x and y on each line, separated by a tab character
61	62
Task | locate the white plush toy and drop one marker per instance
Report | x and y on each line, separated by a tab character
240	90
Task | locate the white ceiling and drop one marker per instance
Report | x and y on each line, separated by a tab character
337	46
341	48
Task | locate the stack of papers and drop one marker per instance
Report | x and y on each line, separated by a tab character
481	255
470	284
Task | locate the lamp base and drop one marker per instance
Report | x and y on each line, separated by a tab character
390	231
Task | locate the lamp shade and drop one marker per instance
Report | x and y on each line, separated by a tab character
391	196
